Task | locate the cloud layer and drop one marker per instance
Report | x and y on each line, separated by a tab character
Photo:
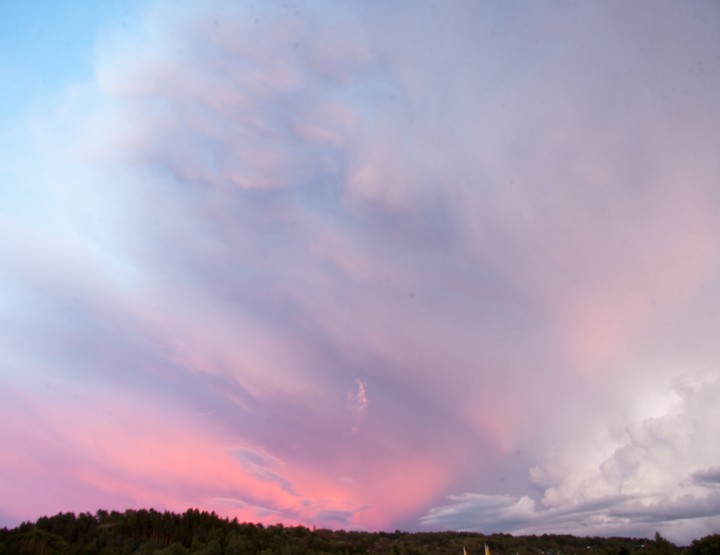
655	476
499	222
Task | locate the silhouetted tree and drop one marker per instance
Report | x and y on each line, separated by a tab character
709	545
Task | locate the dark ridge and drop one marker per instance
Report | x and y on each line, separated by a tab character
150	532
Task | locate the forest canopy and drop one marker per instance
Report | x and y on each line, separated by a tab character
150	532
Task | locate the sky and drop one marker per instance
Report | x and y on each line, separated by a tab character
365	265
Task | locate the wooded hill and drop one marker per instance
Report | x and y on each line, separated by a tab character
150	532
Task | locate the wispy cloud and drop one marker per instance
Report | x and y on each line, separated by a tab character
357	403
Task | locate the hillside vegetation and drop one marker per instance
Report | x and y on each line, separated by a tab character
150	532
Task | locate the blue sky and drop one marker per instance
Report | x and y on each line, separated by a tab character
376	266
47	46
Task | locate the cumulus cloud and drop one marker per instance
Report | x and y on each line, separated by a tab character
644	483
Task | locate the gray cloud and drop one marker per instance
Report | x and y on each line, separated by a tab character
335	517
707	476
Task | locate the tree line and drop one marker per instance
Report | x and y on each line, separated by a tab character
194	532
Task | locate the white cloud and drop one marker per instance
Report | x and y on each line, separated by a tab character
357	403
659	478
